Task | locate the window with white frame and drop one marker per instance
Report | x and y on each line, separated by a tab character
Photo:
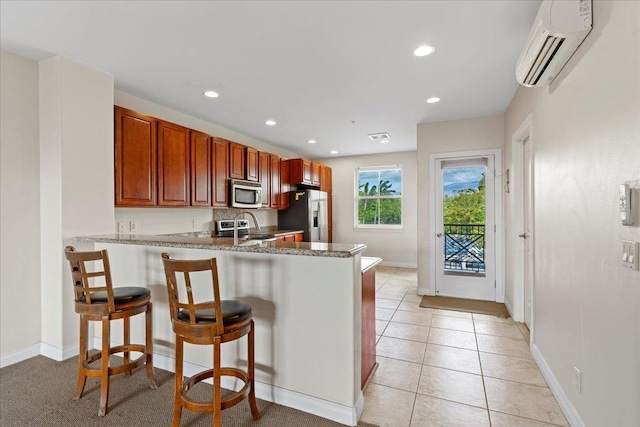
378	202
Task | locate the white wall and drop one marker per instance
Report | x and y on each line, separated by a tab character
166	220
445	137
76	183
395	247
586	141
19	205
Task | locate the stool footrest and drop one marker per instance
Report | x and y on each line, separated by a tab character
95	371
227	402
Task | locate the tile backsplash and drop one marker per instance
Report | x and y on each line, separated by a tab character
178	220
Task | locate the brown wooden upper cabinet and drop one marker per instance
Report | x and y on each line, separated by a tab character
275	182
237	162
325	179
135	159
284	184
300	171
253	169
220	162
174	158
201	169
265	178
303	171
315	174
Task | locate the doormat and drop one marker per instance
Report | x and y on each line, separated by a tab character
461	304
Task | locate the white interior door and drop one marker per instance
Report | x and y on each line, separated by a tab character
465	263
526	234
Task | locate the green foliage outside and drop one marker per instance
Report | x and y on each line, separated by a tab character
466	206
376	210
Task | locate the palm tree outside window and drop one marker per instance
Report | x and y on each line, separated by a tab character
379	197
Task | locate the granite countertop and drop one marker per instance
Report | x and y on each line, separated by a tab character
203	240
369	262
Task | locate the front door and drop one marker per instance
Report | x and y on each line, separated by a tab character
465	228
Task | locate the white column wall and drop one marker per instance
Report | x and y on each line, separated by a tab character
19	209
76	181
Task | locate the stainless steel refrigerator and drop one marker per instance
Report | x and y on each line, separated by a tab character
308	212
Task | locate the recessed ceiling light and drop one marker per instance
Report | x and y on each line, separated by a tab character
334	152
312	141
424	50
384	141
433	100
270	122
211	94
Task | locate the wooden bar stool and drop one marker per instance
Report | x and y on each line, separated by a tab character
209	323
103	303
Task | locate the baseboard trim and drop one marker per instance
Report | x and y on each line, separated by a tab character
507	304
57	353
570	412
312	405
19	355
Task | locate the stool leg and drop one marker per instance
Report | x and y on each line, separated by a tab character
82	357
217	389
127	340
104	367
252	369
149	348
177	405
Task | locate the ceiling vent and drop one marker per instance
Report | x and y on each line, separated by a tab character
558	30
379	136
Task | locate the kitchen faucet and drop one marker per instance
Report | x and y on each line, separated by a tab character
235	224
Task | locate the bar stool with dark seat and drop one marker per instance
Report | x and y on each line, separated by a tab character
208	323
102	302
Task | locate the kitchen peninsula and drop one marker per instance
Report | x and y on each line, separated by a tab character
306	300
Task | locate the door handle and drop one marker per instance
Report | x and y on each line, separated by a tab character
439	235
523	235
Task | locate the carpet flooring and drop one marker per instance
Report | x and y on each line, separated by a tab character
468	305
38	392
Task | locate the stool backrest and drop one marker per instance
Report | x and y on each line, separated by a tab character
84	279
171	268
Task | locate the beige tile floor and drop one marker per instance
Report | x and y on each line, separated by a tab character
450	368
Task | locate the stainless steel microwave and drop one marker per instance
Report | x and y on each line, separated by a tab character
245	194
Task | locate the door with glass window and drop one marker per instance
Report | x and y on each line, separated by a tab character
465	228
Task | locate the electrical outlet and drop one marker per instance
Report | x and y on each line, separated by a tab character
121	227
577	379
195	223
133	226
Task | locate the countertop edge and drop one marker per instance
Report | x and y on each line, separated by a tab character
276	248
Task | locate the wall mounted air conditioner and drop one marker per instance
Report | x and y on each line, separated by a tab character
559	28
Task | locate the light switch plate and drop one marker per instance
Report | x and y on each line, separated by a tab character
630	254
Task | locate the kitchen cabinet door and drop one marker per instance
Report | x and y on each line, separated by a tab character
315	174
201	169
135	159
301	172
253	169
284	184
275	182
265	178
325	178
237	164
174	159
220	182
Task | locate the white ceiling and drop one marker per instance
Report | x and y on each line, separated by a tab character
333	71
